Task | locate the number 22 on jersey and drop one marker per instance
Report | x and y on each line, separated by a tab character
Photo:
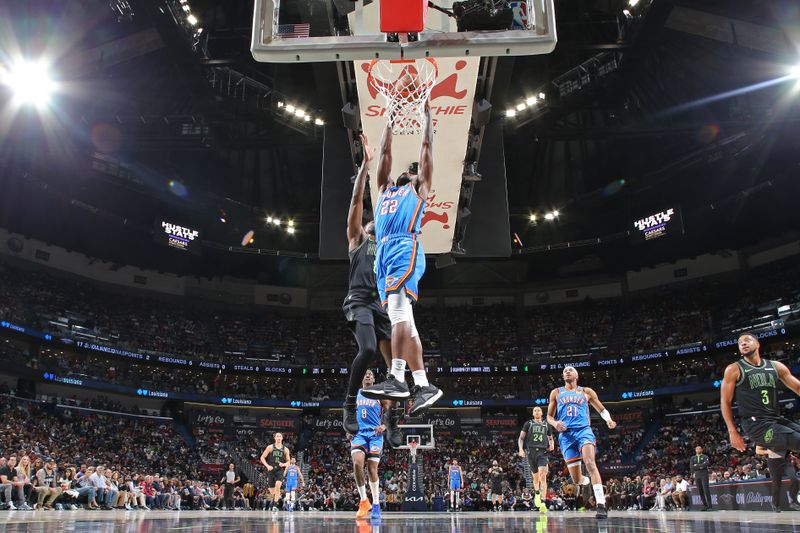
389	206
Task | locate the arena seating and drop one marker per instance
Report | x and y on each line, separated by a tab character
460	335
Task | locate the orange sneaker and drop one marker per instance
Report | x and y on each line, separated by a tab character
364	509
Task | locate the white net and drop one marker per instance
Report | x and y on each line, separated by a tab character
405	85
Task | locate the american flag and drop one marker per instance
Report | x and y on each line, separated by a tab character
293	31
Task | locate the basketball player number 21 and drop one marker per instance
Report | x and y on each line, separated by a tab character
389	206
572	410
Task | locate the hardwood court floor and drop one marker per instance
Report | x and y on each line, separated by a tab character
341	522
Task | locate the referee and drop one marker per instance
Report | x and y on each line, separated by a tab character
699	467
230	480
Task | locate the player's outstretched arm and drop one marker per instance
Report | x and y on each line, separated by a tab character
426	154
791	382
595	401
385	157
355	233
552	408
726	399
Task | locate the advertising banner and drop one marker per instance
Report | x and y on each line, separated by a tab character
742	496
451	110
445	424
502	424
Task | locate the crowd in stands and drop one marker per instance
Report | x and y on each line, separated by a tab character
679	319
554	331
55	456
80	310
60	457
670	317
697	368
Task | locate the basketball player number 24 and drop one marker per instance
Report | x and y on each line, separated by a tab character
389	206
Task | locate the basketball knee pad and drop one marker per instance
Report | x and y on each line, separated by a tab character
414	332
399	308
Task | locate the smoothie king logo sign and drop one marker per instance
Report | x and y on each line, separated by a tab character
451	110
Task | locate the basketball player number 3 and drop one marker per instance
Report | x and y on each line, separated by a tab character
765	397
388	207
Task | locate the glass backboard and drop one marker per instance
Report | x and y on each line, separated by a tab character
289	31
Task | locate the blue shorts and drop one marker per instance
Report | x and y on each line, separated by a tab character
572	441
291	485
399	264
455	484
368	442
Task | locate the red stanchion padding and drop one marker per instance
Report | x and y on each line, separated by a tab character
403	16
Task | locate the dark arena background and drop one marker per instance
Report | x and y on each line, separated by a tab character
615	200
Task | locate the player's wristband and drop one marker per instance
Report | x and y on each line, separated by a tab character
605	415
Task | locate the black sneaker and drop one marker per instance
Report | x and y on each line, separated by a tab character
390	389
602	512
393	434
349	420
423	398
776	508
794	507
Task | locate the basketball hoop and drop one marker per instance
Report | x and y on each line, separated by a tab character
412	447
405	104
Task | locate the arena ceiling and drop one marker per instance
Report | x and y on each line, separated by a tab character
154	123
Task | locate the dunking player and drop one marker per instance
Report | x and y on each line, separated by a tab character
367	445
496	479
365	315
456	476
568	413
400	264
754	380
292	474
275	458
536	435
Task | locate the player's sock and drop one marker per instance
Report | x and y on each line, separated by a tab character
776	468
362	492
599	494
375	489
458	500
420	378
452	499
399	369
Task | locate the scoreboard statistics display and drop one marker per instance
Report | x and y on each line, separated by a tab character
652	226
176	236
